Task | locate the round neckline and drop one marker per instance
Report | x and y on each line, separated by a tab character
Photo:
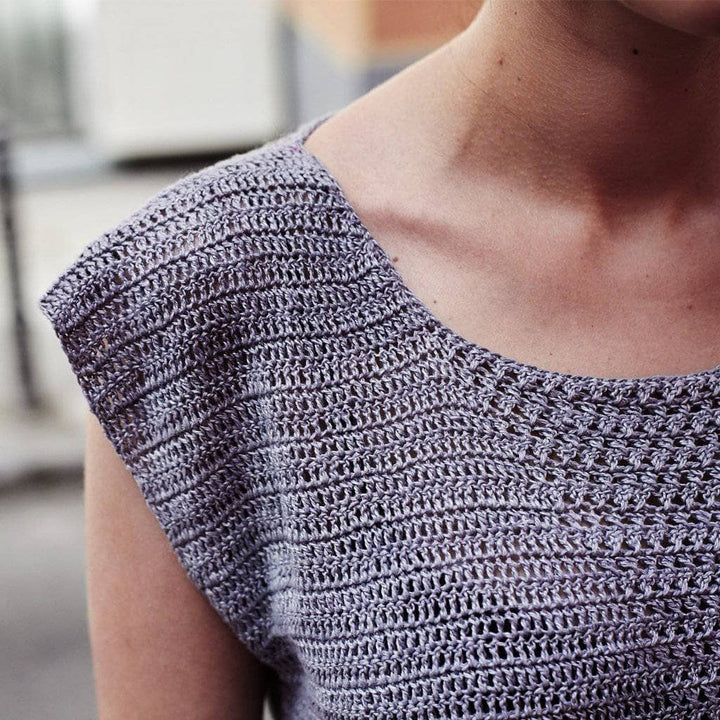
468	353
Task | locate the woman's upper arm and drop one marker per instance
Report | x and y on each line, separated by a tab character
159	649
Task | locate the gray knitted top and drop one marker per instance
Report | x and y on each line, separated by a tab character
397	521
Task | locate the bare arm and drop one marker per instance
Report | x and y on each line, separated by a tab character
159	649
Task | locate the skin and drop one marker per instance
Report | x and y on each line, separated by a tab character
697	17
557	201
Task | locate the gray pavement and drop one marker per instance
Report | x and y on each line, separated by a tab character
45	665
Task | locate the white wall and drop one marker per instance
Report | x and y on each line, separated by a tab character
154	77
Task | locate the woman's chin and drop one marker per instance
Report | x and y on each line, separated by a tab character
697	17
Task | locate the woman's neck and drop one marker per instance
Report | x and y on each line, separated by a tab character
585	101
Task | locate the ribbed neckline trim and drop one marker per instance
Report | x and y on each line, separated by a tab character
464	352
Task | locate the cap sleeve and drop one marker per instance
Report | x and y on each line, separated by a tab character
158	320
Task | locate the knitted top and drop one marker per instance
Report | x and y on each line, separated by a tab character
399	522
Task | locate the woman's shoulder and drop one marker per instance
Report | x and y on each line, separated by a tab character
191	284
230	206
174	324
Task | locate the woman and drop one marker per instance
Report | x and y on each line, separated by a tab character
533	533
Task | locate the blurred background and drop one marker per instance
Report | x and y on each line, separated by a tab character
103	103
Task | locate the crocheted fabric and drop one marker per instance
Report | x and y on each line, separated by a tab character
399	522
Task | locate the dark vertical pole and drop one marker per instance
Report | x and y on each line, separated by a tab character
287	46
7	208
